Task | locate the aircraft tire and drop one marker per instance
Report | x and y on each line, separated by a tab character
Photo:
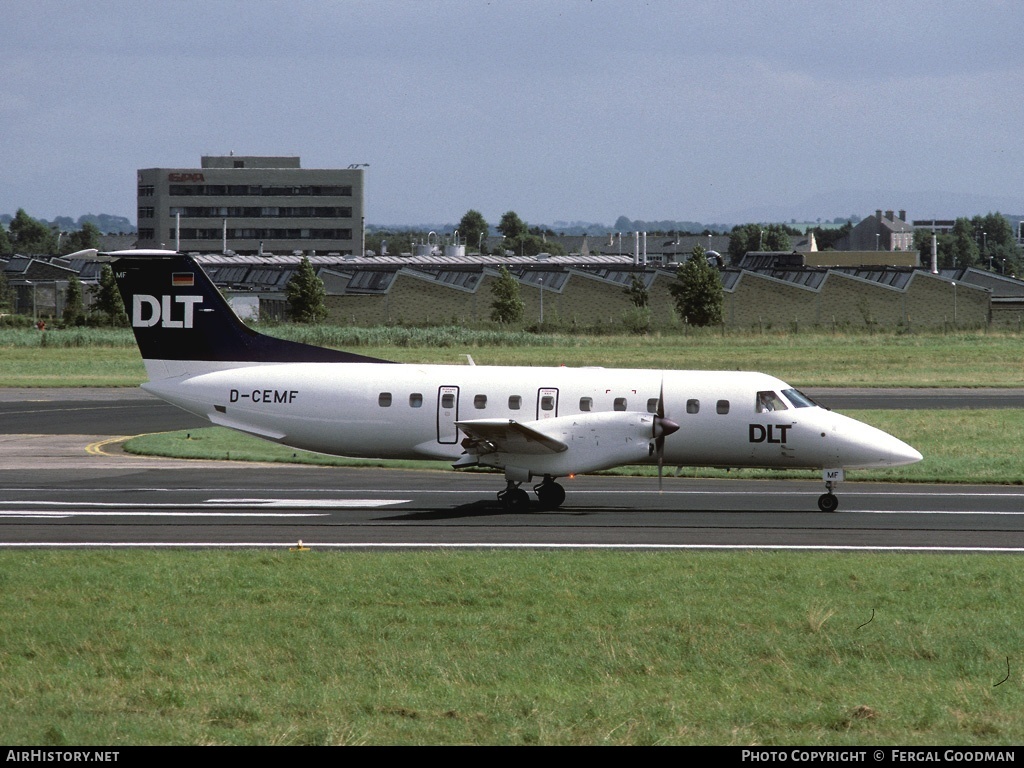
515	500
550	495
828	502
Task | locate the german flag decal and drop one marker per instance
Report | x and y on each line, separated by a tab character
183	279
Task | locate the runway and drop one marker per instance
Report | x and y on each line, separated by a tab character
61	490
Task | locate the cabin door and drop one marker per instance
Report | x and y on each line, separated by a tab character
447	415
547	403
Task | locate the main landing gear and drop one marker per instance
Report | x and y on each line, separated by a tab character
550	495
514	498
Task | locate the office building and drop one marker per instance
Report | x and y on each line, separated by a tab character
251	205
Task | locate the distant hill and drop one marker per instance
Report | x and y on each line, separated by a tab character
104	222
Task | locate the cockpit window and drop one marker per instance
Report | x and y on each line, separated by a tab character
799	399
770	401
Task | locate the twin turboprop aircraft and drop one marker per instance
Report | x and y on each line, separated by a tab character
531	423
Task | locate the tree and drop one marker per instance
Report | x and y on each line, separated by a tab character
29	235
473	228
5	242
108	298
520	240
698	290
5	292
74	311
637	292
87	237
999	249
306	295
826	237
508	305
512	227
962	247
757	237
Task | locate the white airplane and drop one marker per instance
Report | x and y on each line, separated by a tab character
529	422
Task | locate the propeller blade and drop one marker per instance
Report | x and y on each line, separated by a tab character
661	461
661	427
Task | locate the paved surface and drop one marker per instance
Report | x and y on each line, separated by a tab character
61	489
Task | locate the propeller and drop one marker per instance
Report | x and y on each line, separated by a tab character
661	428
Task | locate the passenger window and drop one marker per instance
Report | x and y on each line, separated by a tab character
415	400
769	401
547	403
693	406
652	405
586	404
384	399
515	402
480	402
722	407
447	400
620	404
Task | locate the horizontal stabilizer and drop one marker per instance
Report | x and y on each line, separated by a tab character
507	436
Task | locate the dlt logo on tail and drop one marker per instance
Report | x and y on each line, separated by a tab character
147	311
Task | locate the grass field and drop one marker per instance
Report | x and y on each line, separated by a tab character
528	648
963	359
536	648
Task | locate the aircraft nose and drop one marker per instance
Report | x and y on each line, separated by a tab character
866	446
899	453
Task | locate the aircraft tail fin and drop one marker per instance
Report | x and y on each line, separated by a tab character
183	324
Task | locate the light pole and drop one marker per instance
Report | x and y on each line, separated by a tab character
541	283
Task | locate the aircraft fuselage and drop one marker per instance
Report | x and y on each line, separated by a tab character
412	411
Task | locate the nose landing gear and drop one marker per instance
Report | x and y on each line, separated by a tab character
828	502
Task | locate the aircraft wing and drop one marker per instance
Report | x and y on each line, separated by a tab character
507	436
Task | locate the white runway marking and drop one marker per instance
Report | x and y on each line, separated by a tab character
76	513
63	510
223	504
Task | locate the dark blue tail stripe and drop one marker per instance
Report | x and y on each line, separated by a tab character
177	313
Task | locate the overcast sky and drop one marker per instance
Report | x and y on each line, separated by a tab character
559	110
